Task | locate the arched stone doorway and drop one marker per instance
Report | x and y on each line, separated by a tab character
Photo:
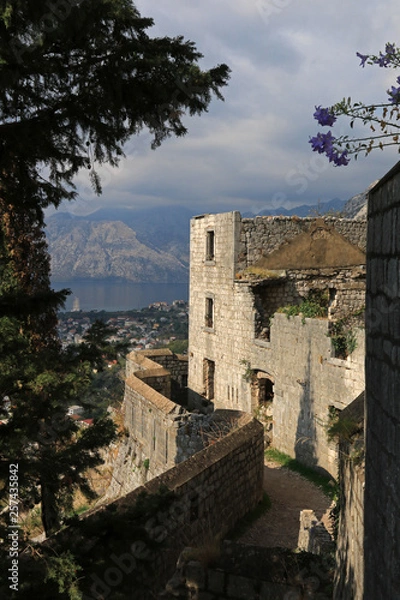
262	397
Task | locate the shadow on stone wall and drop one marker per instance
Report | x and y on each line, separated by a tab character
306	431
129	547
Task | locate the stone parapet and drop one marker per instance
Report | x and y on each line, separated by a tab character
212	490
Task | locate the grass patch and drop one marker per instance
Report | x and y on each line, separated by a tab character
327	484
247	521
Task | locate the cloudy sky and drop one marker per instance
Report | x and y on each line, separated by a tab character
251	152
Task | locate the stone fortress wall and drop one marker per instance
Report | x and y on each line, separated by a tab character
219	484
161	432
235	365
212	491
243	341
309	383
349	575
382	462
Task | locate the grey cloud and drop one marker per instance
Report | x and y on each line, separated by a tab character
253	149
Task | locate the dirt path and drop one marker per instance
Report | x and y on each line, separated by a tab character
289	493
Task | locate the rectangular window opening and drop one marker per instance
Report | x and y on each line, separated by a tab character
209	317
210	245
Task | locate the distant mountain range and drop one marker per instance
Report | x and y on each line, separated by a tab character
334	206
139	246
145	245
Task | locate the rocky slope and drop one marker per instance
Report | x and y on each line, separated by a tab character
87	248
356	207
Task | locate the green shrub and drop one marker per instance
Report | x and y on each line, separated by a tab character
344	339
313	307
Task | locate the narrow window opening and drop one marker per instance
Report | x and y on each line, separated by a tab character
209	317
332	302
262	392
210	245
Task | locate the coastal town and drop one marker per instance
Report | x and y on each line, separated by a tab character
158	325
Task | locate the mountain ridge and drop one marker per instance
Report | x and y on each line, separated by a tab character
82	249
146	245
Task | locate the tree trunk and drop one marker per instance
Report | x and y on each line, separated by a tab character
50	514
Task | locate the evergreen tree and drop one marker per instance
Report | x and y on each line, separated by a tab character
78	78
41	380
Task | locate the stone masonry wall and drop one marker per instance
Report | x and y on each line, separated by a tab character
214	279
213	490
242	572
262	235
308	380
345	286
177	366
350	544
160	432
382	478
298	358
349	575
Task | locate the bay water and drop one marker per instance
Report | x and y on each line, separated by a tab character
115	295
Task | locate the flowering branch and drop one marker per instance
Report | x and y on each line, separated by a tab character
382	118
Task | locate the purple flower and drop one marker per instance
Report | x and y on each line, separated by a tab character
339	159
324	116
364	58
382	60
394	94
390	49
322	142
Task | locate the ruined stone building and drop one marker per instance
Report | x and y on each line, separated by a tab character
246	355
255	349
